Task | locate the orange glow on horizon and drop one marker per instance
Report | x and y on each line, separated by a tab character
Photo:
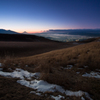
35	32
45	30
30	32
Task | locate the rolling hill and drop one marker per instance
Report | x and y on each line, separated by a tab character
22	37
66	74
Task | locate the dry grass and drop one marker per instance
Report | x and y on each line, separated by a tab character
50	65
24	49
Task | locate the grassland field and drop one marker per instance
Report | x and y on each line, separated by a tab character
51	59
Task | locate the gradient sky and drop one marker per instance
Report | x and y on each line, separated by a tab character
39	15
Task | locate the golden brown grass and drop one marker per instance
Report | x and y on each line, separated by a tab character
50	65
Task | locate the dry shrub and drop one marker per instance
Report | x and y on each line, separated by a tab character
56	78
43	68
7	64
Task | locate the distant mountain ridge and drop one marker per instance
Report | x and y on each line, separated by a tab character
86	32
3	31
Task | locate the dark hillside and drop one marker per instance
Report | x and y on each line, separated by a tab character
21	37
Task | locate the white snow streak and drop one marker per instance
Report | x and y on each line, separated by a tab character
59	97
34	92
1	69
68	67
82	98
20	73
76	93
77	72
40	85
0	64
92	74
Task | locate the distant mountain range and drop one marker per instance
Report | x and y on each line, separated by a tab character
86	32
3	31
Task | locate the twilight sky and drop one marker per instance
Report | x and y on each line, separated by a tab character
39	15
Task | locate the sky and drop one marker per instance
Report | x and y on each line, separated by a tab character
41	15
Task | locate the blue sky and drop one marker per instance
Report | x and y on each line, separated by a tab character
39	15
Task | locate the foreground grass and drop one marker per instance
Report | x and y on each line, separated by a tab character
52	64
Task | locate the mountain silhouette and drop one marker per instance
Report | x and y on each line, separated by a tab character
3	31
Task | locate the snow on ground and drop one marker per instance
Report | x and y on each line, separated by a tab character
76	93
20	73
97	69
59	97
43	86
26	65
82	98
40	85
0	64
34	92
85	66
68	67
92	74
77	72
1	69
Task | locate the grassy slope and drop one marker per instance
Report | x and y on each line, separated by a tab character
23	49
50	63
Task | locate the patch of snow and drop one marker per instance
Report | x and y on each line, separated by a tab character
0	64
26	65
39	94
9	68
1	69
82	98
41	86
68	67
35	75
19	73
33	92
87	96
77	72
92	74
59	97
97	69
85	66
76	93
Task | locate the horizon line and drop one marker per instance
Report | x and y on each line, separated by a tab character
52	30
